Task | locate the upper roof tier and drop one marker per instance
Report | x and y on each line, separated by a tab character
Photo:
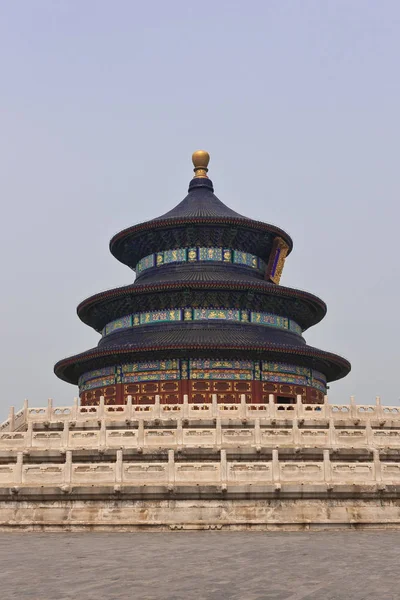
201	220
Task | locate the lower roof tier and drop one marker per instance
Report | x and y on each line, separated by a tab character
180	344
194	290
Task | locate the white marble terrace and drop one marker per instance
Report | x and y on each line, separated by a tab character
356	413
207	444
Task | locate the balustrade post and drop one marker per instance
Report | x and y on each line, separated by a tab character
11	418
379	412
26	411
171	467
325	410
102	435
19	468
129	407
65	436
157	407
75	409
332	433
243	407
29	435
257	432
141	433
185	406
214	407
276	475
271	405
327	467
369	433
299	405
353	408
179	431
377	465
296	431
119	467
218	431
49	408
224	467
68	467
101	407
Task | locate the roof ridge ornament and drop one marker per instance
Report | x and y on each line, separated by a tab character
200	160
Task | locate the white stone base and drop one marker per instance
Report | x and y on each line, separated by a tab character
132	515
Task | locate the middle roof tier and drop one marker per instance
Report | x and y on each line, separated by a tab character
201	289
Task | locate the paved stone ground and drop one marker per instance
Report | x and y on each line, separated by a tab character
200	566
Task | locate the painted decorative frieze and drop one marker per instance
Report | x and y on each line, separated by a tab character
277	372
203	369
271	320
200	314
96	374
180	255
172	315
205	363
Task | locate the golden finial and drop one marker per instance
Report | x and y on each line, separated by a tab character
200	159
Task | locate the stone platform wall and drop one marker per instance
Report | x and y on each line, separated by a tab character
265	514
199	466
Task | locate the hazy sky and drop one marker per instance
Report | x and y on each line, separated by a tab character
102	104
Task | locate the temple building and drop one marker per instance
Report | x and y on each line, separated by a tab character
205	315
202	407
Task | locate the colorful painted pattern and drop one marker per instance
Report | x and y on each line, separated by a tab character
206	369
214	254
121	323
184	369
295	328
96	383
192	254
201	314
223	375
205	364
316	375
271	320
285	378
160	316
151	365
151	376
243	258
171	256
200	254
146	263
285	368
319	381
284	373
318	385
96	374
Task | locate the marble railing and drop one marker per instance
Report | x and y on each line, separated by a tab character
178	434
352	412
223	472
